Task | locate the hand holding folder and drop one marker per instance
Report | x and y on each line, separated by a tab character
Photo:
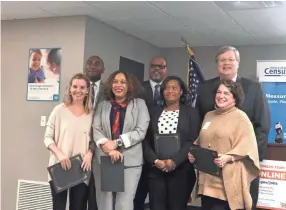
64	179
204	160
112	174
166	145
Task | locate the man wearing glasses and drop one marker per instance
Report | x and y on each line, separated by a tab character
157	73
254	105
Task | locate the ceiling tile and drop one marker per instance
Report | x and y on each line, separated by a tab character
271	40
270	22
166	24
130	9
83	9
57	4
163	23
22	10
239	5
214	25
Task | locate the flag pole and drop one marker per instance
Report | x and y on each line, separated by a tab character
191	53
185	43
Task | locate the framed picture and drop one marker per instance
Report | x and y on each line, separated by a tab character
44	74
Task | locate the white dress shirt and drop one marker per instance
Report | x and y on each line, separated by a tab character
153	84
96	89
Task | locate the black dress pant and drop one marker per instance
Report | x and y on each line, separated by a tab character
254	190
171	190
209	203
92	205
142	189
77	198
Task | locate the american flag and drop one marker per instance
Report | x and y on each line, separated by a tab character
195	78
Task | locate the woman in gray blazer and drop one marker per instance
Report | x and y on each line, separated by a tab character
119	127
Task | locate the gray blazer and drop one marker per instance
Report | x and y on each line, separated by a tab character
99	98
134	130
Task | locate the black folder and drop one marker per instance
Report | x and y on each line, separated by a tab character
166	145
112	175
65	179
204	160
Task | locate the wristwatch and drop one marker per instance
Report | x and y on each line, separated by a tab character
119	142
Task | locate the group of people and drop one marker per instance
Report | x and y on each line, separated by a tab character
119	118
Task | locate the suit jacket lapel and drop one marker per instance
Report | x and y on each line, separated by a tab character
100	94
247	92
155	119
131	111
182	117
106	118
150	93
214	88
216	84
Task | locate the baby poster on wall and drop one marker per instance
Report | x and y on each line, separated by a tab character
44	70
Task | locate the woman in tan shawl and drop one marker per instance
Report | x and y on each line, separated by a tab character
228	131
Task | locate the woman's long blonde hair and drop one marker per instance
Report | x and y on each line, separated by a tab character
87	102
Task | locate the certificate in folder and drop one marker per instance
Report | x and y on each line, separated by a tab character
205	160
166	145
112	175
65	179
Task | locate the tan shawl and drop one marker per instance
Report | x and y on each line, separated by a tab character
231	132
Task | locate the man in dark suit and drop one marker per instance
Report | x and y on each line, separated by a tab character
94	69
157	73
255	104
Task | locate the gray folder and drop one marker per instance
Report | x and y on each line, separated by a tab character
204	160
166	145
65	179
112	175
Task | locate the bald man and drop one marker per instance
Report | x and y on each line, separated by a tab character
157	73
94	69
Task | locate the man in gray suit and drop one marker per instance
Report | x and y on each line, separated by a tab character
94	69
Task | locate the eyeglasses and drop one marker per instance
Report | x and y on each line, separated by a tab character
223	60
154	66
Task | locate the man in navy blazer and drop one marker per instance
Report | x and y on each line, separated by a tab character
255	104
157	73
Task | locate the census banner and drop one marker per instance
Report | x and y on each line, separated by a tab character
271	71
44	70
272	75
272	185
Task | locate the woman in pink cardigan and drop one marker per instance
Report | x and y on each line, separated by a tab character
67	134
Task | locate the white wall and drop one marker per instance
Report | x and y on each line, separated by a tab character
177	59
23	155
110	44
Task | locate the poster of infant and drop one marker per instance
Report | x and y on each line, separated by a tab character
44	74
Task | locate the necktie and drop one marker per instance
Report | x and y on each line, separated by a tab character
156	94
93	86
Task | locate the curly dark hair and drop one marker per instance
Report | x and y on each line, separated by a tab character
183	98
135	89
236	90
